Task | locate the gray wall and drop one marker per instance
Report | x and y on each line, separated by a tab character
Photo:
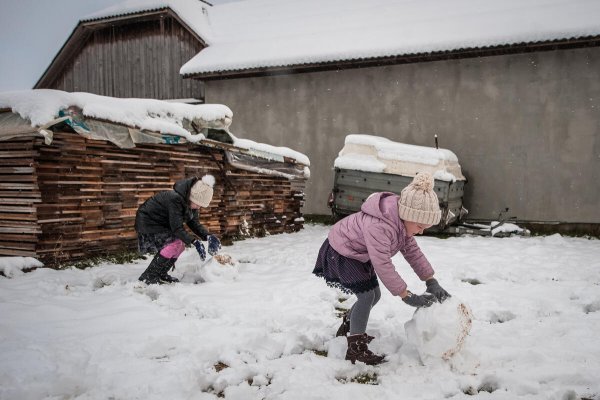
525	127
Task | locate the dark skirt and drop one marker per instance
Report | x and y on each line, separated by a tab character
154	242
346	274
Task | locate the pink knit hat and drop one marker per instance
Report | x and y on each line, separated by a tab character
202	191
418	202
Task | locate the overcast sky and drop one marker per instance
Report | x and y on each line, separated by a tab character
32	32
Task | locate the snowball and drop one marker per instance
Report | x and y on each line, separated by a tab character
440	330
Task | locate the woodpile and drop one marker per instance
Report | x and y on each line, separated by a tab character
78	197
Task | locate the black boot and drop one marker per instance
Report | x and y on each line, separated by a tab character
344	328
164	276
156	271
358	350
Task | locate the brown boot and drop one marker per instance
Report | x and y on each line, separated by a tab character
358	350
344	328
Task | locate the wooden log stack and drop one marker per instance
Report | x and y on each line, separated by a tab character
78	197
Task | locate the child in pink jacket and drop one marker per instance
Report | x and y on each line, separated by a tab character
359	249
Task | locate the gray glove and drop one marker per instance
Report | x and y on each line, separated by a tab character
435	289
423	300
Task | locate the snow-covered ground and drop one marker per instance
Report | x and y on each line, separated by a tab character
264	328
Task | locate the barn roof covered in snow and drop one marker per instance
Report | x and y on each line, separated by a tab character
263	35
255	34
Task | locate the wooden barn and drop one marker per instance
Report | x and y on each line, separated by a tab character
131	54
70	186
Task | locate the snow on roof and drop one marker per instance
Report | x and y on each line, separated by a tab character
275	33
379	154
271	33
41	106
193	12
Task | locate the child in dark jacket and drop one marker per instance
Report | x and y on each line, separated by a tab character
359	249
159	224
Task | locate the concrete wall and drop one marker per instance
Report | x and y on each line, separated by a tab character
525	127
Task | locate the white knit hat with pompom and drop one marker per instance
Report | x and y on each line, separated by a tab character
202	191
418	202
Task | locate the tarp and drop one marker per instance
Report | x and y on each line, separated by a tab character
13	125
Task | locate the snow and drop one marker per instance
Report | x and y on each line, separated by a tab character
495	227
378	154
359	162
194	13
505	228
41	106
275	153
274	33
98	334
389	150
14	266
439	332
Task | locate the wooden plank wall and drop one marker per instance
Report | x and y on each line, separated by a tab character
78	197
140	59
19	198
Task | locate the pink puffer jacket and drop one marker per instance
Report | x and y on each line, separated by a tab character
377	233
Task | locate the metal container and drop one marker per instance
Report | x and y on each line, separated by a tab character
351	187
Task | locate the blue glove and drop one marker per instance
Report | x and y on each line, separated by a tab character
200	248
214	245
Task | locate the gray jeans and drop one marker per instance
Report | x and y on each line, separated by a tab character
359	313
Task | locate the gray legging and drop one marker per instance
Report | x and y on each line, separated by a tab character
359	313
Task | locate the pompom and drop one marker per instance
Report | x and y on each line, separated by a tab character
423	181
209	180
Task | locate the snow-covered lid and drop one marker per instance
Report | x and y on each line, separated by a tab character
273	33
378	154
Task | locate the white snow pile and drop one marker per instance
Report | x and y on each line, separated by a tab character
263	327
505	228
440	331
360	162
41	106
379	154
221	267
495	227
275	153
14	266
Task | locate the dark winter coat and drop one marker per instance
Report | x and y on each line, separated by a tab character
167	212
